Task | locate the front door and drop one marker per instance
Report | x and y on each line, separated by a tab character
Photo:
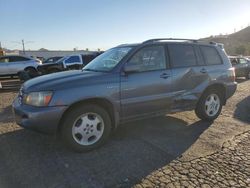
149	90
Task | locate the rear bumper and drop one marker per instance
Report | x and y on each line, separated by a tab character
230	89
41	119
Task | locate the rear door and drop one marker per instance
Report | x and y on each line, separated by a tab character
17	64
148	91
4	65
189	72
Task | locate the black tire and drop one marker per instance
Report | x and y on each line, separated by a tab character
66	132
201	107
32	72
23	76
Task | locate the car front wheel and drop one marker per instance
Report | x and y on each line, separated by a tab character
86	128
209	106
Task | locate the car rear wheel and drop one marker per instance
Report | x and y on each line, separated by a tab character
209	106
31	71
86	128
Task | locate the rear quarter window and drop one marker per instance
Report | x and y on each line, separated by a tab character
211	55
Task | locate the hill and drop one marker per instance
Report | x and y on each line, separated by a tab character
235	44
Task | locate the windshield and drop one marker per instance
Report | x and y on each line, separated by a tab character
108	60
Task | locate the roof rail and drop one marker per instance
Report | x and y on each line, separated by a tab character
159	39
176	39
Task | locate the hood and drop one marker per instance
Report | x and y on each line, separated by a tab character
60	80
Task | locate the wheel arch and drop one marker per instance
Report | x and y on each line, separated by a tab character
102	102
217	86
30	67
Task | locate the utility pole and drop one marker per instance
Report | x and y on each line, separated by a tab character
23	44
23	47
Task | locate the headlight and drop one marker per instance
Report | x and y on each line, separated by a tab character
38	98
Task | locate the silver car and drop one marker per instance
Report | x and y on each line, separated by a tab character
14	64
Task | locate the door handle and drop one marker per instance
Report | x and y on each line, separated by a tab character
165	75
203	70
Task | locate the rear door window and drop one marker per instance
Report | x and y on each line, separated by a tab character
211	55
182	55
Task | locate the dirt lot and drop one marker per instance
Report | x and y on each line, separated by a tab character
161	152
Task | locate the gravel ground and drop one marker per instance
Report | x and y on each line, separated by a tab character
229	167
171	151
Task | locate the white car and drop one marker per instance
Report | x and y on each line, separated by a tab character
14	64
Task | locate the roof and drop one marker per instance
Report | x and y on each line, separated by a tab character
179	40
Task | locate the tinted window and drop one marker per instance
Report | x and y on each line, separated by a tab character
181	55
73	59
211	55
150	58
200	60
18	58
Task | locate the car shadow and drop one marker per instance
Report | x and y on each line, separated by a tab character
242	111
134	151
6	115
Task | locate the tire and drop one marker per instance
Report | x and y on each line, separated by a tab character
207	111
23	76
32	72
81	135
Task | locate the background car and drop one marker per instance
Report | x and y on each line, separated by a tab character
13	64
72	62
241	65
52	59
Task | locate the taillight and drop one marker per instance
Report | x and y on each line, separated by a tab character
232	74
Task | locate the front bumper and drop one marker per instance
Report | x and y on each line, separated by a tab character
41	119
230	89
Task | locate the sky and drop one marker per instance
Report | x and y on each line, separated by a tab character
93	24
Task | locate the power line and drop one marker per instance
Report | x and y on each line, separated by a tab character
23	44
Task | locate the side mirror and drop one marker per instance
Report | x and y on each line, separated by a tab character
131	68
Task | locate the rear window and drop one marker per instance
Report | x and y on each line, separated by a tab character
210	55
181	55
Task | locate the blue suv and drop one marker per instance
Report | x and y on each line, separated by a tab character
126	83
